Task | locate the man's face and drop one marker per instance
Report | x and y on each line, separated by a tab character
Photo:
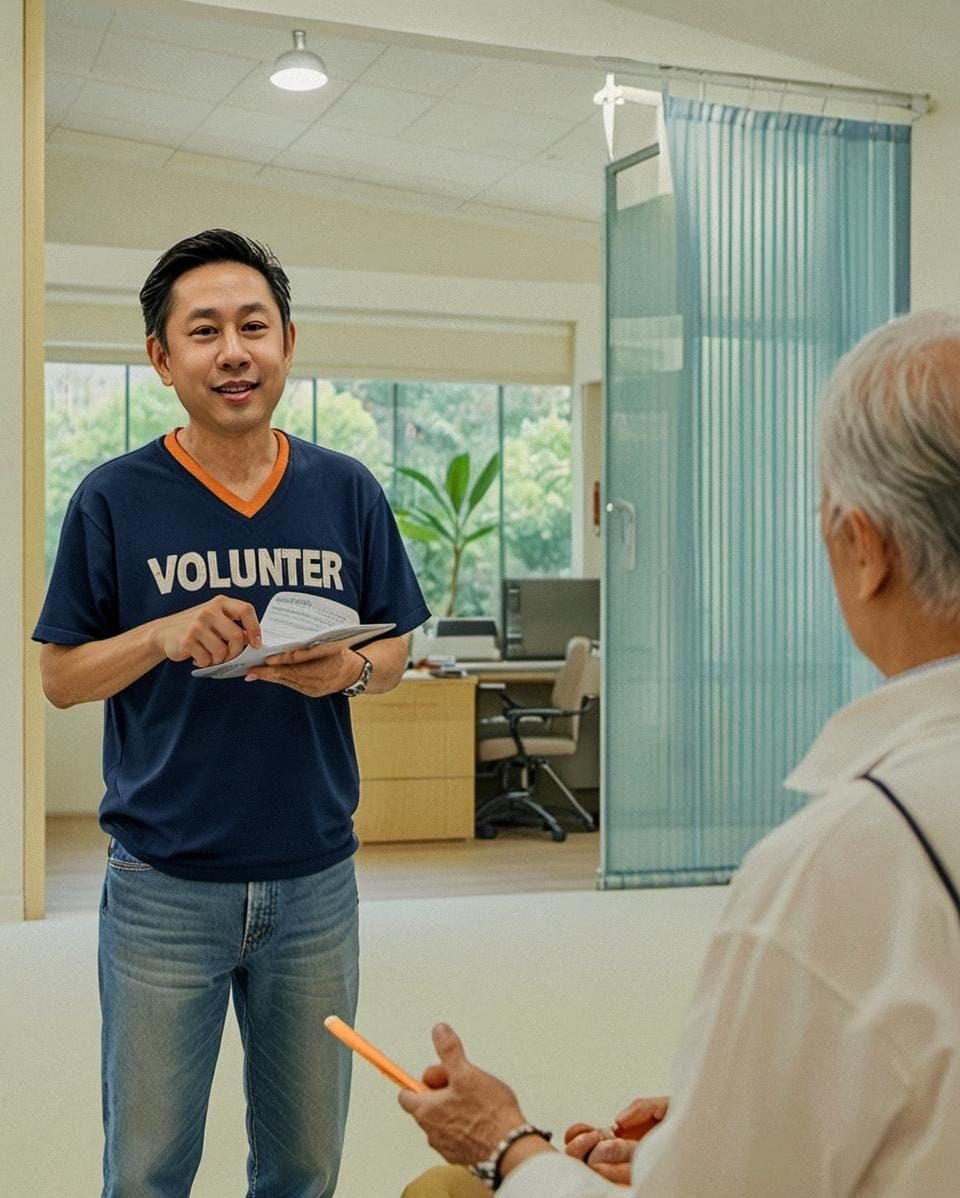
227	354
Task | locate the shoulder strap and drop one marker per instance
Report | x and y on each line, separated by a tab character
919	833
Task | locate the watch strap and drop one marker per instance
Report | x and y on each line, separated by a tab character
358	687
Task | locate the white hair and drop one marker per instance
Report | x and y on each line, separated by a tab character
890	445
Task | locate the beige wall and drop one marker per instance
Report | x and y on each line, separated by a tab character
11	466
936	193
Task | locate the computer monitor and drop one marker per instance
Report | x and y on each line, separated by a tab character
539	615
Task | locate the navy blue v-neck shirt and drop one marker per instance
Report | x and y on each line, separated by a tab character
223	780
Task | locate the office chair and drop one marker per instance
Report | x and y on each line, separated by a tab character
534	735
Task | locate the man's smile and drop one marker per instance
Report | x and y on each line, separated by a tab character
236	390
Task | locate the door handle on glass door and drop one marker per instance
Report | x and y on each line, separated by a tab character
628	531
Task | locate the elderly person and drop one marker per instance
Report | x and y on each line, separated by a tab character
821	1055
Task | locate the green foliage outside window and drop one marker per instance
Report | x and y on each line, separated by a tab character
95	412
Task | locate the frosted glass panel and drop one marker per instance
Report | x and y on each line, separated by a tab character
727	306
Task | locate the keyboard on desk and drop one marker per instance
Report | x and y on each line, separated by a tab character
511	666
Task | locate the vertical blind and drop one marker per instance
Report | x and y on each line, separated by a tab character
788	240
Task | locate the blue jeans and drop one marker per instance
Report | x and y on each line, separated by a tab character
171	952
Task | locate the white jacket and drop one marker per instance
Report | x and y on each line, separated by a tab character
821	1053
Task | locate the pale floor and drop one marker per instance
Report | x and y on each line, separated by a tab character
575	997
519	861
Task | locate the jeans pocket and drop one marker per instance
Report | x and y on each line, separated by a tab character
119	858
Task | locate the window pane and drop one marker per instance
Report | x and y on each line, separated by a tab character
85	426
436	422
154	408
356	417
537	481
294	412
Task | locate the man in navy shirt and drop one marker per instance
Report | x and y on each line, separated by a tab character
229	805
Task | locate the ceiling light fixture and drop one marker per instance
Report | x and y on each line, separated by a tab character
299	69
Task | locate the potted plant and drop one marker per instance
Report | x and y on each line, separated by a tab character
444	515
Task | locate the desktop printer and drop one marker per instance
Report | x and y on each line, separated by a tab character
471	638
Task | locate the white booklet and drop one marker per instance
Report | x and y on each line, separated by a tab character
297	621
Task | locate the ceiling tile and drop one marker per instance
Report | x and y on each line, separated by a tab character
416	181
152	109
60	13
345	146
70	49
377	110
252	128
110	149
141	63
227	148
61	91
256	92
429	72
129	130
232	36
345	58
212	165
560	92
550	190
487	130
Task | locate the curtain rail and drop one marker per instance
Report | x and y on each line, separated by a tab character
663	73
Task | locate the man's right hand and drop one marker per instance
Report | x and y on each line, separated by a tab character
210	633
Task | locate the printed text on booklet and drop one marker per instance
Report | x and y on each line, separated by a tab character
297	621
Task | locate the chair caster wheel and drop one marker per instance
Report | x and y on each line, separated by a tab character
486	832
559	836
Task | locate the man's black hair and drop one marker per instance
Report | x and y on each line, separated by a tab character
212	245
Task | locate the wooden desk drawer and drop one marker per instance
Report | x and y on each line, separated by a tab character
425	728
415	809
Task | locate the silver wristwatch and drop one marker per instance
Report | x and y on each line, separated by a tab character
361	684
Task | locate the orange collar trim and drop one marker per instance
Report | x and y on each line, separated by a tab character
246	507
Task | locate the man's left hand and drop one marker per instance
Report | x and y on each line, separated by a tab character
315	672
467	1112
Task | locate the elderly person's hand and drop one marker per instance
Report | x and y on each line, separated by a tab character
466	1112
609	1150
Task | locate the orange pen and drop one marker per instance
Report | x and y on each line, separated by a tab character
354	1040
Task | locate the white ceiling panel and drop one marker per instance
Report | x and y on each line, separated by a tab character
152	109
380	111
212	165
252	128
83	16
530	87
402	157
129	130
237	37
345	58
258	93
109	149
72	49
227	148
555	191
61	91
137	62
415	180
398	125
430	72
487	130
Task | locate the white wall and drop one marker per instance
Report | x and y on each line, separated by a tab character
936	194
11	465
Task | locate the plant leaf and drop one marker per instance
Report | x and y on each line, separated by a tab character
481	532
482	485
416	532
422	514
427	483
458	476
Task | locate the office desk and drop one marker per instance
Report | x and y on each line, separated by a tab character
415	747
